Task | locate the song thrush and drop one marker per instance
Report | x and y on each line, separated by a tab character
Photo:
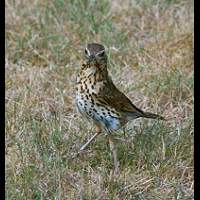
98	99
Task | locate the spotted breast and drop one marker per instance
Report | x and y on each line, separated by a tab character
89	89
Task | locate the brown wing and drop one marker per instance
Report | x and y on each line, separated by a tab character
116	99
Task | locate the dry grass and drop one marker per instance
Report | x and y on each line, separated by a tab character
150	47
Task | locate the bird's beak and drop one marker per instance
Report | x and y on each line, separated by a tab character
91	58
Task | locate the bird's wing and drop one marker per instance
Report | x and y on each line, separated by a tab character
116	99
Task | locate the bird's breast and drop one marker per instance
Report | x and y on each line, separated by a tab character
90	85
93	106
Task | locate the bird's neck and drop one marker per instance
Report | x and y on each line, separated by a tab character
91	80
99	73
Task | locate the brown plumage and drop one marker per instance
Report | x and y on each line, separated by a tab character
99	100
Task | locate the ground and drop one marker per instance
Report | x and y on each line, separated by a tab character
150	49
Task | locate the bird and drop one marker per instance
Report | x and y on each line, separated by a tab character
101	102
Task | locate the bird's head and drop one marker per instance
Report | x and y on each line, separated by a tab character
95	55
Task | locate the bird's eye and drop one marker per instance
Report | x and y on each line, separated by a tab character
87	53
101	54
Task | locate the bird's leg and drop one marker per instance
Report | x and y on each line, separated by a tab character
98	131
114	152
124	131
89	141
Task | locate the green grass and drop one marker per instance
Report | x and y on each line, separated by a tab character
150	50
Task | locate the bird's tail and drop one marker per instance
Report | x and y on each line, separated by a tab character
152	116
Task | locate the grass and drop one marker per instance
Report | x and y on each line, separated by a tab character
150	49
